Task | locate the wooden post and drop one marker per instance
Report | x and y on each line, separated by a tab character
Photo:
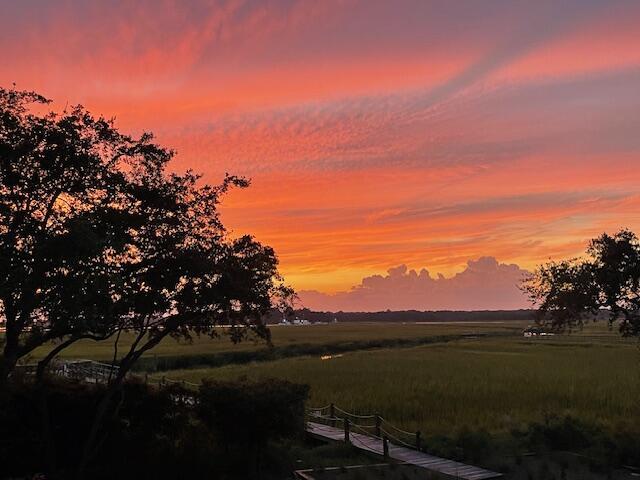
378	425
346	430
418	439
385	447
332	415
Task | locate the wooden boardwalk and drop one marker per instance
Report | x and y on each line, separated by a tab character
402	454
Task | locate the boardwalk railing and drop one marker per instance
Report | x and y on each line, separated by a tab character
372	425
163	381
89	371
360	431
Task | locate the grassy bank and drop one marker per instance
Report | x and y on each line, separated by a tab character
495	384
314	339
168	362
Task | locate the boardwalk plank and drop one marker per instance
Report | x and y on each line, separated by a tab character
403	454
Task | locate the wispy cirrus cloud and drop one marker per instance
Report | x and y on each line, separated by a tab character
424	132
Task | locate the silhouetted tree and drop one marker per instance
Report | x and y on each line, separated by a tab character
604	283
97	238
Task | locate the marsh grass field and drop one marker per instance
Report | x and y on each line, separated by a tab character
484	377
287	336
494	384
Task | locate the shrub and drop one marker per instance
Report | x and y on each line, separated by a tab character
152	433
563	433
476	446
245	416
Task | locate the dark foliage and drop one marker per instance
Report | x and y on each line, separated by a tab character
97	237
154	433
410	316
601	448
570	292
563	433
557	437
245	416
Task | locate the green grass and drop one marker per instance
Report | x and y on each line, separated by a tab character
330	334
496	382
486	383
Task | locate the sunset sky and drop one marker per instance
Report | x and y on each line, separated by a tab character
431	134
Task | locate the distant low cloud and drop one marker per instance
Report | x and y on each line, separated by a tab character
484	284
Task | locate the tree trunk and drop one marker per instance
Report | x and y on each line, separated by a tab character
92	440
101	411
43	405
47	437
11	345
7	365
125	366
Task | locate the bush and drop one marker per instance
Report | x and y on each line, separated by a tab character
566	433
152	433
476	446
246	416
22	446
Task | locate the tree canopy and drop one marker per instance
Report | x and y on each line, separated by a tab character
96	237
605	281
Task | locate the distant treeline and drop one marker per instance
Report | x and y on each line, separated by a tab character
412	316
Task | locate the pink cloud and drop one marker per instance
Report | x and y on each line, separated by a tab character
485	284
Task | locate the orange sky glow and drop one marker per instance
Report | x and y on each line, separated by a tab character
376	134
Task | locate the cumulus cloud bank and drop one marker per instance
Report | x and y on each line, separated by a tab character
484	284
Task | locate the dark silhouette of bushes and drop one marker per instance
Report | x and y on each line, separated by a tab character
246	416
154	433
557	438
